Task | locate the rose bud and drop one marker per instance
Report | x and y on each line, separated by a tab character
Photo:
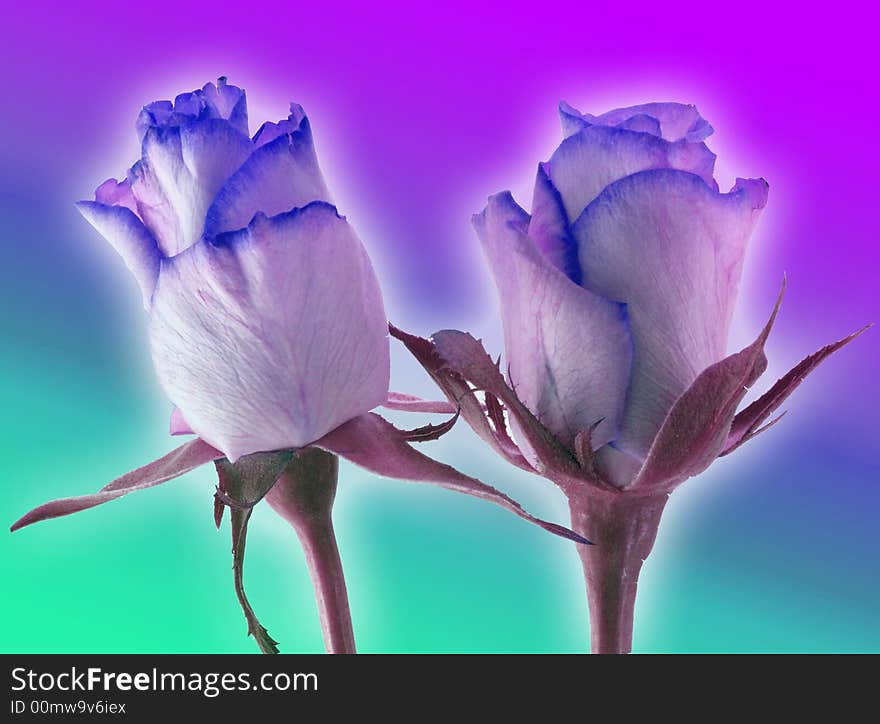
267	331
616	293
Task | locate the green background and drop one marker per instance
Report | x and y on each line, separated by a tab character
428	570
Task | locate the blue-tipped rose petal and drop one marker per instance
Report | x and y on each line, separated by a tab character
182	170
596	156
671	249
131	239
568	350
671	121
280	175
272	335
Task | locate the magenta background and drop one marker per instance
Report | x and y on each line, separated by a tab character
420	113
429	110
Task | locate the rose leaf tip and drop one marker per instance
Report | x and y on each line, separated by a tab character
860	332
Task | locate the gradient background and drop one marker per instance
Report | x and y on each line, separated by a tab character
418	115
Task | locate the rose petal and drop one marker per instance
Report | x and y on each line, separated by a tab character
269	131
549	229
588	161
616	466
274	335
670	248
131	239
376	445
568	350
697	426
181	172
280	175
671	121
116	193
748	421
185	458
223	101
157	114
642	123
228	102
178	424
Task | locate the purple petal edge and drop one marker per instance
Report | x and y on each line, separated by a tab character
179	461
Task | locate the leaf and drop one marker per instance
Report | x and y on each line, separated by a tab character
376	445
179	461
748	421
695	429
467	357
426	433
459	393
244	482
495	411
411	403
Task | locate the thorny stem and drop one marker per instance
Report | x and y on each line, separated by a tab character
304	496
622	526
240	518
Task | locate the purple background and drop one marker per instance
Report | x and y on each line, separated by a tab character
418	115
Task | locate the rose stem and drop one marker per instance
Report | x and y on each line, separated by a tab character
622	526
304	496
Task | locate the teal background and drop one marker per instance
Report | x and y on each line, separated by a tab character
418	115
